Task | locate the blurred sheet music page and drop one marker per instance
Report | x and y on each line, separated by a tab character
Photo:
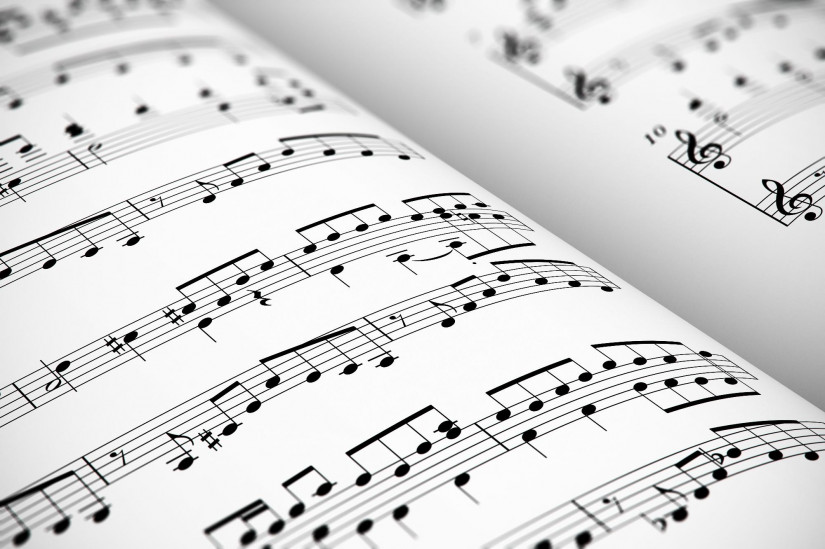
239	310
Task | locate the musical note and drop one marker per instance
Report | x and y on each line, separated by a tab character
262	166
189	288
515	48
654	493
210	197
246	515
64	522
58	380
403	467
185	461
48	264
93	149
25	146
450	320
327	230
319	487
536	403
15	101
74	130
253	406
314	374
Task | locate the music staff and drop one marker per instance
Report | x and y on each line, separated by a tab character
75	161
366	338
120	221
661	492
221	290
438	454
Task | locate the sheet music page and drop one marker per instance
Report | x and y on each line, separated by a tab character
678	143
238	310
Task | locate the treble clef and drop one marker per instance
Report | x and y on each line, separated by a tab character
797	204
712	152
587	90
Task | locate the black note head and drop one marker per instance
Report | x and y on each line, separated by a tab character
462	479
276	527
101	514
324	488
248	537
400	512
583	539
20	538
91	252
297	510
364	526
320	533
